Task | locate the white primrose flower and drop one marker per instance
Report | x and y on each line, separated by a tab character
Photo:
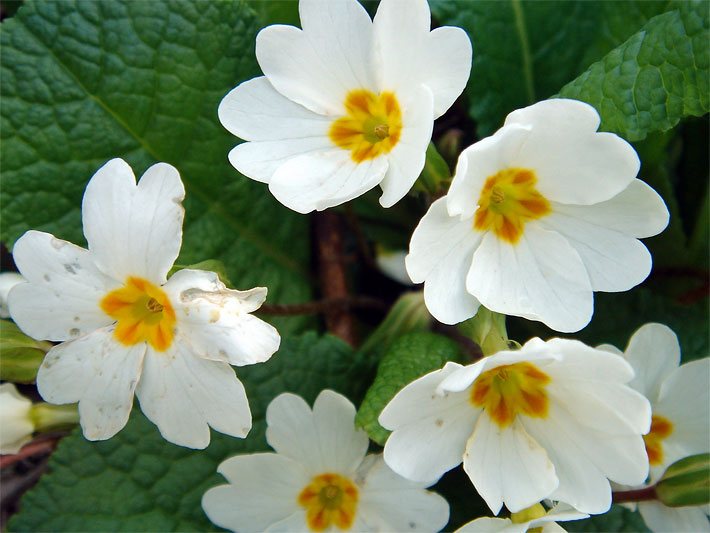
16	425
552	420
533	519
7	281
346	103
680	427
538	216
320	478
125	328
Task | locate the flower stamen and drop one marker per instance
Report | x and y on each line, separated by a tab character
509	390
329	500
143	313
507	202
371	127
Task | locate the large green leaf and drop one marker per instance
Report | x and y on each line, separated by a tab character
616	519
408	358
86	81
139	482
654	79
524	52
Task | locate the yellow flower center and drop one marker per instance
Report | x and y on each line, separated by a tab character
528	515
509	390
143	314
371	127
329	500
661	428
507	202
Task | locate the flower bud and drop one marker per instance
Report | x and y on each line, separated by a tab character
686	482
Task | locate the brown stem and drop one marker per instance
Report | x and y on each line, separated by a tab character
331	268
37	447
323	306
637	495
362	244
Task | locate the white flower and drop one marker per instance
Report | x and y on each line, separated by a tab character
319	479
391	263
552	420
680	427
16	425
124	329
7	281
347	103
538	216
536	520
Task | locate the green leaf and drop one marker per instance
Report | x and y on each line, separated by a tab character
137	481
408	358
654	79
435	176
524	52
617	519
84	82
20	355
276	11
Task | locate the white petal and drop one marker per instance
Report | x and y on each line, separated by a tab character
99	373
492	525
61	300
620	457
662	519
324	179
637	211
507	466
400	35
134	230
259	160
411	55
615	261
292	524
324	439
654	353
567	113
607	407
574	164
580	361
15	421
540	278
263	490
480	161
255	111
182	393
318	66
392	265
215	321
447	57
406	160
430	430
561	512
685	400
582	484
440	255
388	502
7	281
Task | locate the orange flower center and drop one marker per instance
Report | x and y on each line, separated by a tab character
371	127
143	313
507	202
329	500
509	390
661	428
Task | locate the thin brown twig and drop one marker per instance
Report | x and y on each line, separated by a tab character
323	306
332	272
36	447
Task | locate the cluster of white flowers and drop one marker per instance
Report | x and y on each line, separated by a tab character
538	217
